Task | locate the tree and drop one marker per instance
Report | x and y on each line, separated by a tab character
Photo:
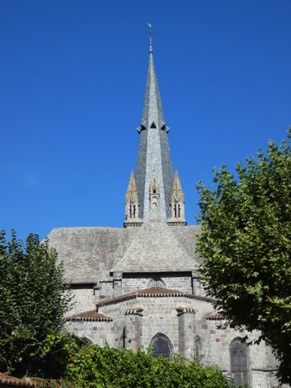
246	246
93	366
33	301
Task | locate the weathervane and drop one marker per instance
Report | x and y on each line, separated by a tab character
150	32
150	29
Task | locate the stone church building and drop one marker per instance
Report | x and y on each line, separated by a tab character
139	285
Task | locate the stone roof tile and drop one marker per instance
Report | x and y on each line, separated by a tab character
92	315
15	382
216	316
185	309
134	310
153	292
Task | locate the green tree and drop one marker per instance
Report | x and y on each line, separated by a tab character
93	366
33	300
246	246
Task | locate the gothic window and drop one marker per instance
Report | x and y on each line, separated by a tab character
239	362
175	210
161	346
132	210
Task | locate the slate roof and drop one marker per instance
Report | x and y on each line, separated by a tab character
88	254
186	236
153	151
155	248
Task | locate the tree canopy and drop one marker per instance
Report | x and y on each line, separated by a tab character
93	366
33	301
246	246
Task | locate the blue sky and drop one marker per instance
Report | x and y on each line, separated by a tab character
72	83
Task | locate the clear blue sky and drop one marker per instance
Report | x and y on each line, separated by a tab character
72	83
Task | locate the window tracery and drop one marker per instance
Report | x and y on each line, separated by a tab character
239	362
161	346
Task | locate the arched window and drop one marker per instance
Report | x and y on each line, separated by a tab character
239	362
161	346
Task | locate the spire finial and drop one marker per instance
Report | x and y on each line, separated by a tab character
150	34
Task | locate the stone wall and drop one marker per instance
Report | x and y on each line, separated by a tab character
158	315
188	325
216	341
84	298
95	332
186	333
180	282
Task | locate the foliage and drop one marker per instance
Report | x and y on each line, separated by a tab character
33	300
246	244
93	366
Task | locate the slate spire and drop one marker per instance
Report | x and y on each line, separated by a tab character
153	152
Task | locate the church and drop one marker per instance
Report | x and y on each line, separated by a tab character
139	285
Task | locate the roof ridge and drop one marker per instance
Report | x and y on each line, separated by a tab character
156	292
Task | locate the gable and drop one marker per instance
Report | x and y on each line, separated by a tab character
155	248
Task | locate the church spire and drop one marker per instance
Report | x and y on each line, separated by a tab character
153	152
